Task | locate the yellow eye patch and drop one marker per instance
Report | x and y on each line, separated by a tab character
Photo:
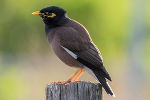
52	15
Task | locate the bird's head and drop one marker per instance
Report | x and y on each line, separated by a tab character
51	15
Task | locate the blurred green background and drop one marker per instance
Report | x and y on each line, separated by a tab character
120	29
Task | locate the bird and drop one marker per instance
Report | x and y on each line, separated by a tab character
73	45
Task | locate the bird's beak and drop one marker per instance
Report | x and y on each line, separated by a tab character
36	13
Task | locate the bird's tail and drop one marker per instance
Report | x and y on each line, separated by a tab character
104	83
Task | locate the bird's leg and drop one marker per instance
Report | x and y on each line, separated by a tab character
79	74
73	75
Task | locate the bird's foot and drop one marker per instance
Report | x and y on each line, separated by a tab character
60	82
69	81
65	82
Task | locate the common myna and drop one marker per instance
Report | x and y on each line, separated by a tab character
73	45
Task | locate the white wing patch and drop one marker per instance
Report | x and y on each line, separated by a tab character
70	52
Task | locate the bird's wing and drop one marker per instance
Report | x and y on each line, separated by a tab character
81	47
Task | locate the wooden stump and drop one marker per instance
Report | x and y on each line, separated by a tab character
74	91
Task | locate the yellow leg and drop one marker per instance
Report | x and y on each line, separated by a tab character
73	75
79	74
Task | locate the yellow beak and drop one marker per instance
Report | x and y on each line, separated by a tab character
36	13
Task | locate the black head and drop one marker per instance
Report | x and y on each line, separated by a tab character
51	15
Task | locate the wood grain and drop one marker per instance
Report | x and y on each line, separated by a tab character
74	91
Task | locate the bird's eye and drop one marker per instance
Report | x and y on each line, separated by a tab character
46	13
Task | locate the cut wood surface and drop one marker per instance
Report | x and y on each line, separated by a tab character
74	91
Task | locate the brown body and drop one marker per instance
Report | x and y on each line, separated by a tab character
56	36
76	38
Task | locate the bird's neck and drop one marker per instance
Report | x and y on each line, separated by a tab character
49	27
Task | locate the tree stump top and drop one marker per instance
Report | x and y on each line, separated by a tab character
74	91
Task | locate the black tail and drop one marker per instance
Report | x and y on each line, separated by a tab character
104	83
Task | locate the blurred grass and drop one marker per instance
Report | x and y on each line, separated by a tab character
11	85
